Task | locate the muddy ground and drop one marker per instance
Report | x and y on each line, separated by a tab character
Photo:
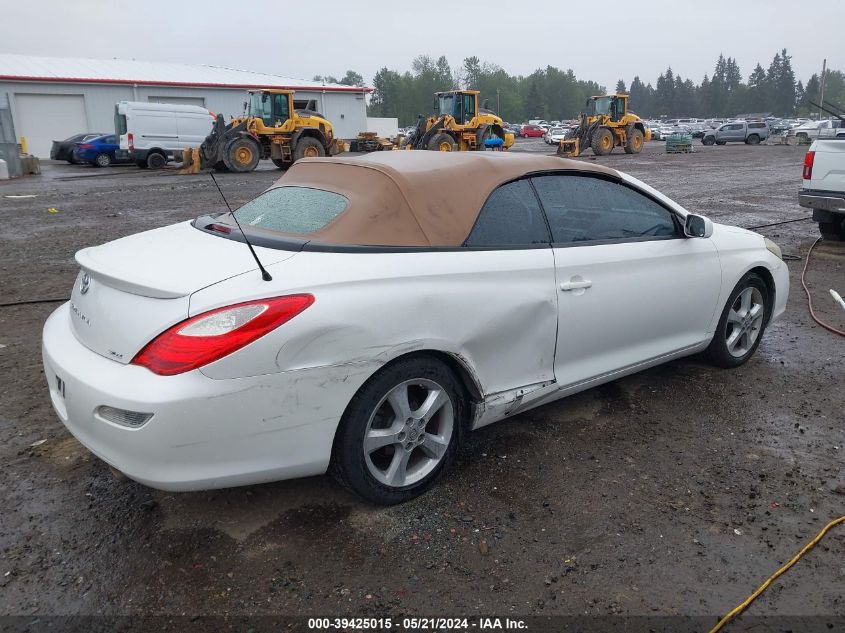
674	491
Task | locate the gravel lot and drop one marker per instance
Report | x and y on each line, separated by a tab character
674	491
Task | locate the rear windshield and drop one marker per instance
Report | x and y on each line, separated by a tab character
119	122
292	209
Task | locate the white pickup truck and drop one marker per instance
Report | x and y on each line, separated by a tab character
823	188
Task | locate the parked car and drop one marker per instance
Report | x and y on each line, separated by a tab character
698	129
153	132
373	346
555	135
63	150
737	131
823	188
101	151
826	128
530	130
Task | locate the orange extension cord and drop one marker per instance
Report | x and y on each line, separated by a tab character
826	326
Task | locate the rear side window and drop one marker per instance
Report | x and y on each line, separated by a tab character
510	217
292	209
756	125
585	209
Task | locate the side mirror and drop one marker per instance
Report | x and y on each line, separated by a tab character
698	226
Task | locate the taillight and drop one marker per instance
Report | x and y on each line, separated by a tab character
808	165
85	145
212	335
131	141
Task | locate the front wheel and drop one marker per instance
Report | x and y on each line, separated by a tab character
399	431
708	140
602	142
742	323
241	155
442	143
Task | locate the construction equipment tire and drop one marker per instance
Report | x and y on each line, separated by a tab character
635	142
602	141
442	143
308	147
241	155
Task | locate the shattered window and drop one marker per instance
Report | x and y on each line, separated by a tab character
292	209
510	217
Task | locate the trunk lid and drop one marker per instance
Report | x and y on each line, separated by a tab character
130	290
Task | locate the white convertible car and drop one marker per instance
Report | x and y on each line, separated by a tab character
409	297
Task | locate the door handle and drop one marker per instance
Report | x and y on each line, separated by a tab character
576	285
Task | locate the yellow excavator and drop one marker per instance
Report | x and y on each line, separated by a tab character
458	124
270	128
605	124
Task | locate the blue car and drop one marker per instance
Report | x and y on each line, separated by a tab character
101	151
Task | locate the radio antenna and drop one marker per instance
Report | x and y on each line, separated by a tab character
264	274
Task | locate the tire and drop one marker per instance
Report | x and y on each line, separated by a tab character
708	140
602	141
753	139
156	160
281	164
833	231
308	147
635	142
740	327
801	137
241	155
720	142
102	160
442	142
405	460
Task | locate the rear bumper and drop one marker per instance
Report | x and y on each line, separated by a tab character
827	201
204	433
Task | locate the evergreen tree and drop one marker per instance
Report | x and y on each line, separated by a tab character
758	90
534	106
620	86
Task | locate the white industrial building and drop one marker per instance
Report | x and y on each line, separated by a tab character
52	98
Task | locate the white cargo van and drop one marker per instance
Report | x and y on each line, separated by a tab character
152	132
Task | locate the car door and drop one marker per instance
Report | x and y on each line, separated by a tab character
631	288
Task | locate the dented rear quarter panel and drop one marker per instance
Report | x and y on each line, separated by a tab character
495	311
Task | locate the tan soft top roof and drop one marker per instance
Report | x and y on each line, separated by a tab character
416	198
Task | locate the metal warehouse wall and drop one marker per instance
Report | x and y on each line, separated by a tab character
346	110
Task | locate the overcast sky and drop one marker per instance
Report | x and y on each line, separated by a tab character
330	36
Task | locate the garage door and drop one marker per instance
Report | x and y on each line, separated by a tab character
43	119
197	101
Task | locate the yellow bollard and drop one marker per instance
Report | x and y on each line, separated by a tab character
23	146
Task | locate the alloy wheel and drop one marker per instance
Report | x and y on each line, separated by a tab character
745	322
409	432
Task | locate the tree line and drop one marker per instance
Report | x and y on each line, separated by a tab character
552	93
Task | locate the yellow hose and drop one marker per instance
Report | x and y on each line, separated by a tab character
744	604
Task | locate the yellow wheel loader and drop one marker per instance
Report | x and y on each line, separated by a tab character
458	125
270	128
605	124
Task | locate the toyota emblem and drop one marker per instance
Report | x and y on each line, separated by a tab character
85	284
